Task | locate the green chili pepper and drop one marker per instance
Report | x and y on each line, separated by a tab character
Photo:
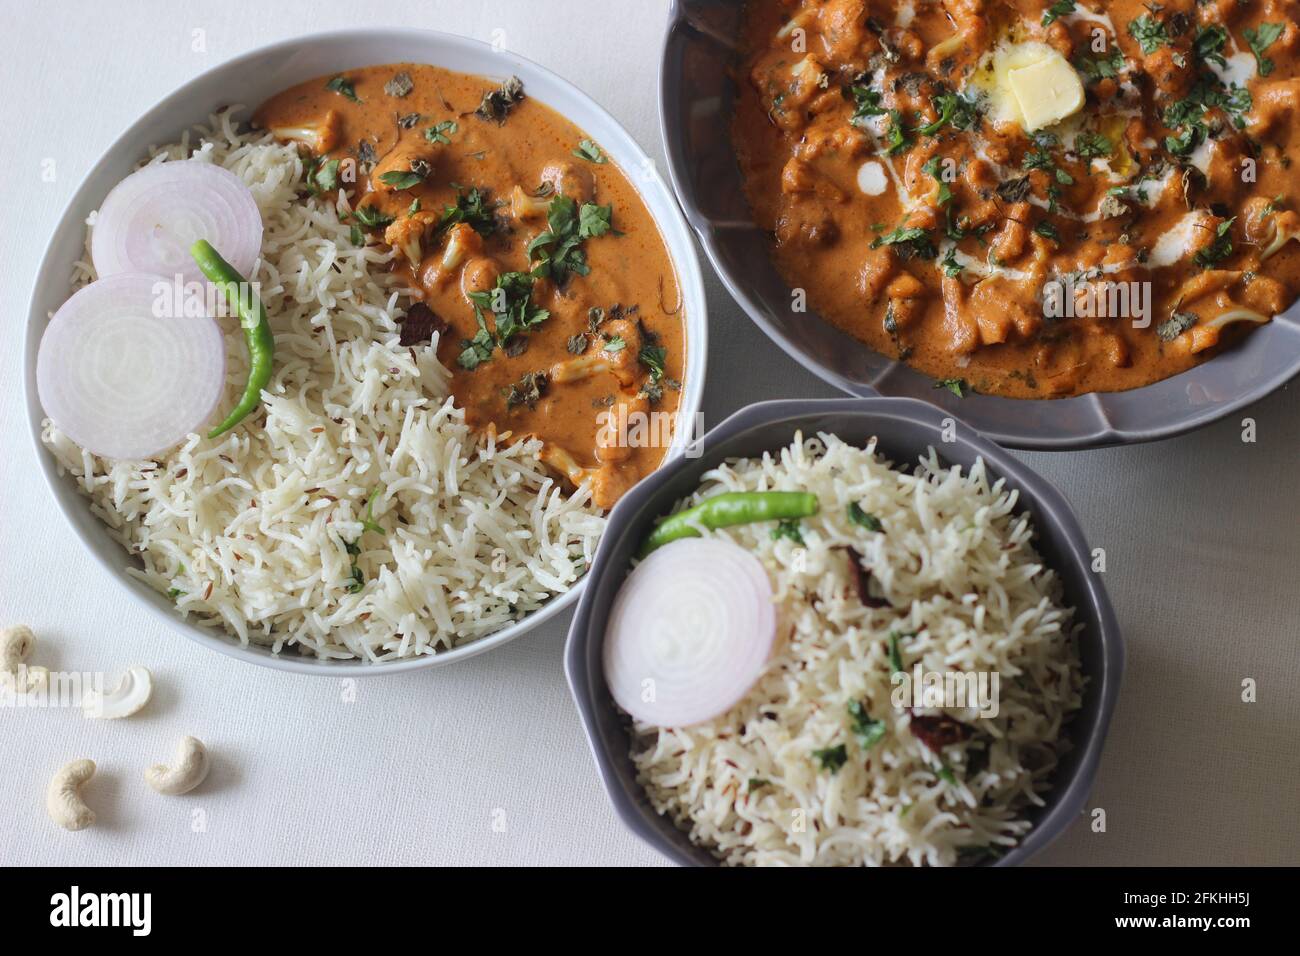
732	508
237	291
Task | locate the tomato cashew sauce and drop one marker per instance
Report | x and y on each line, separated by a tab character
528	249
1028	198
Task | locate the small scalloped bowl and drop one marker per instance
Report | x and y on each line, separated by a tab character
905	428
248	79
695	97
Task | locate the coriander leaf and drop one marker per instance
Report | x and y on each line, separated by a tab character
1260	40
863	519
1219	249
498	103
957	386
1059	9
896	134
1177	324
1149	32
371	217
343	87
1209	44
788	528
442	132
472	207
832	758
400	85
588	150
895	657
1090	145
321	176
869	732
866	103
652	357
908	243
399	179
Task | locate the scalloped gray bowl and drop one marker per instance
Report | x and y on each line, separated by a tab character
905	428
695	96
248	79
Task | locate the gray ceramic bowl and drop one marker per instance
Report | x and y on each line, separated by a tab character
905	428
695	106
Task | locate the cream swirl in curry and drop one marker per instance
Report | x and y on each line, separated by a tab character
974	186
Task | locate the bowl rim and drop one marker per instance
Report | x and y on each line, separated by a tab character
631	158
1066	799
1106	434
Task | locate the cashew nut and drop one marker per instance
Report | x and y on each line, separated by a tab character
185	774
129	697
63	797
16	643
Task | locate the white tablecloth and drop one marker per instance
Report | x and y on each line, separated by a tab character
484	763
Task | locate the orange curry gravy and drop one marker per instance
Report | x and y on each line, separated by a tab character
1176	171
563	337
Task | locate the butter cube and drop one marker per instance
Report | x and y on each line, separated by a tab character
1048	90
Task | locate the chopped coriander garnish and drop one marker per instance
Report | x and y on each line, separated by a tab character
403	179
442	132
652	357
368	523
934	166
896	134
1219	249
1260	40
1209	44
908	243
472	207
528	390
1090	145
343	87
951	267
863	519
614	344
866	103
1176	325
832	758
1105	67
498	103
589	151
788	528
895	656
869	732
558	251
1149	32
1047	230
1059	9
371	217
952	108
321	176
400	85
957	386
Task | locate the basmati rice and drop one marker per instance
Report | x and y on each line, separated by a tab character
966	592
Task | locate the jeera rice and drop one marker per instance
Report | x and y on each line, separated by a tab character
362	518
955	584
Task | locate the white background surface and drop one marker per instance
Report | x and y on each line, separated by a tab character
1201	534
